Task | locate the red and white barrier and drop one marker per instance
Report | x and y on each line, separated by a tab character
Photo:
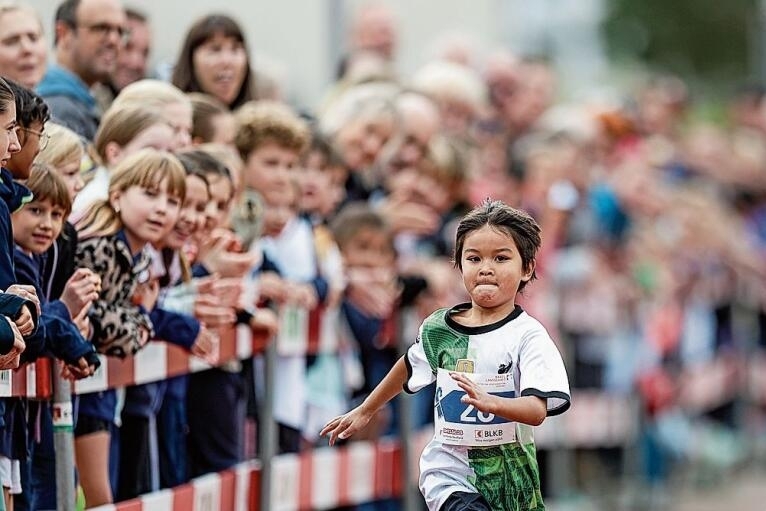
32	381
319	479
236	489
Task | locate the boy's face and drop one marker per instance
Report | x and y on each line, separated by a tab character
315	182
21	162
268	164
280	202
217	211
368	248
37	225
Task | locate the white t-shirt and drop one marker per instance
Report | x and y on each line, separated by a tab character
506	474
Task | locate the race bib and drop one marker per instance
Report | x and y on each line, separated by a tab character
457	423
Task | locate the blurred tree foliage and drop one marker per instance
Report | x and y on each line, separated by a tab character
713	45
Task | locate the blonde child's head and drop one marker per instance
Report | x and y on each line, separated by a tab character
167	100
128	127
64	152
147	169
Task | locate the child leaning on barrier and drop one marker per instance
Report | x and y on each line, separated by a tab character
497	372
146	191
63	328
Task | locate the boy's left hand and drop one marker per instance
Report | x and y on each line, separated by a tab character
475	395
77	371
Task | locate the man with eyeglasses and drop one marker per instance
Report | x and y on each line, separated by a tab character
88	36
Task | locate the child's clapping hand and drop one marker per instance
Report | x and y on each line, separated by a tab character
206	346
82	288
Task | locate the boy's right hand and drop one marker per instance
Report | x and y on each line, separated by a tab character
11	359
25	322
26	292
206	346
82	288
344	426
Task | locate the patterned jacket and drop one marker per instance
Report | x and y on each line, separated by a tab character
117	322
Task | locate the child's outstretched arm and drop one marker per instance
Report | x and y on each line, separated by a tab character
530	410
344	426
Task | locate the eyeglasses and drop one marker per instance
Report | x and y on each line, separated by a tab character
44	137
106	29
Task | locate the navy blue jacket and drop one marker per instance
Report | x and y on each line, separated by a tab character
56	332
10	306
12	197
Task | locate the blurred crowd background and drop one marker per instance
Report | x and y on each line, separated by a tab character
634	132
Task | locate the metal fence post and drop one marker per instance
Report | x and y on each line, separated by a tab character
267	428
63	441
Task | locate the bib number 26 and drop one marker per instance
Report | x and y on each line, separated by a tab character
472	415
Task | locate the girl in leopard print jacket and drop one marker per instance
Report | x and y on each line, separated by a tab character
146	190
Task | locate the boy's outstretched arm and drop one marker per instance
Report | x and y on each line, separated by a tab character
530	410
344	426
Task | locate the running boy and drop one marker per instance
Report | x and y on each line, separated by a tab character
497	373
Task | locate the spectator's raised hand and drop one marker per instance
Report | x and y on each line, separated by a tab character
209	310
206	346
222	255
373	291
82	288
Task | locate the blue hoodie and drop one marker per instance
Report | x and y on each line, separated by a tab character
12	197
70	101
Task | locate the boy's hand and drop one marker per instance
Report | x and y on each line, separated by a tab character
11	359
26	292
302	295
82	322
344	426
24	322
82	288
265	320
272	287
373	292
227	291
222	257
206	346
209	310
77	371
147	294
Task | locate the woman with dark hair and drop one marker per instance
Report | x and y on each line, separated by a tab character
214	60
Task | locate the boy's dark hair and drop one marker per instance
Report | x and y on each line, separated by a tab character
353	218
46	183
191	162
514	222
321	144
200	32
204	162
29	106
6	96
204	109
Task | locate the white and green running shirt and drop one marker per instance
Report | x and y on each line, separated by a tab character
518	346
